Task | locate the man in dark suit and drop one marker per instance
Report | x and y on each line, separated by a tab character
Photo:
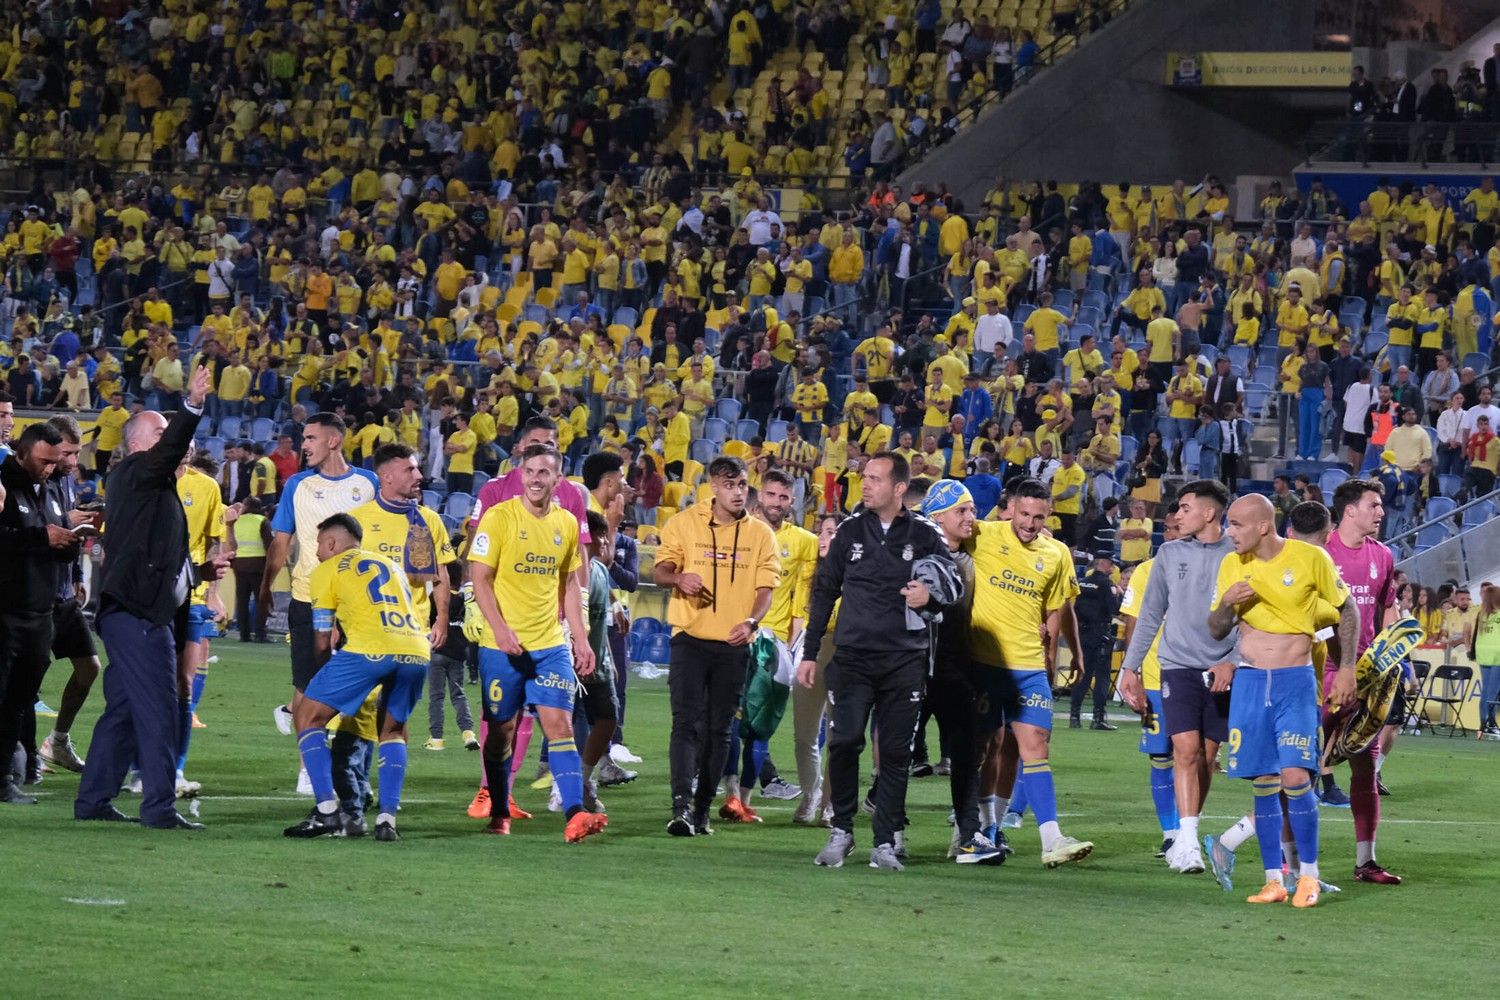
38	546
146	580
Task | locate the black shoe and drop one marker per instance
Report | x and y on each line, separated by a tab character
681	825
921	769
386	833
109	814
13	795
1103	727
1380	786
1166	845
317	824
33	771
701	827
1003	845
176	821
354	826
1074	722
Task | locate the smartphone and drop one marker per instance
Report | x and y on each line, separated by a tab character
85	530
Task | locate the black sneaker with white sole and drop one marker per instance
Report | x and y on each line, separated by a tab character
317	824
385	833
681	825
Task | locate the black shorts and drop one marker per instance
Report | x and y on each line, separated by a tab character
304	644
1355	442
1188	706
72	639
596	693
1397	714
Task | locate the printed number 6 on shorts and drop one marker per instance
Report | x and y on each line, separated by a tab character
495	692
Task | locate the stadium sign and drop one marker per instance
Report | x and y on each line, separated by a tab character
1258	69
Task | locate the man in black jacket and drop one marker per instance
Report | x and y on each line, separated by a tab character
880	663
1098	602
146	580
37	546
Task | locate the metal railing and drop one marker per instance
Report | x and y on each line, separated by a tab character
1422	143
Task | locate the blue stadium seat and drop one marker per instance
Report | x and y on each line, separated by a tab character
229	427
1329	481
537	314
1439	507
660	649
1479	361
1190	456
1450	485
1128	448
729	409
716	430
480	478
1432	534
431	499
1095	298
1239	357
263	429
458	505
1257	398
626	316
776	431
744	430
703	450
215	448
1062	300
1478	514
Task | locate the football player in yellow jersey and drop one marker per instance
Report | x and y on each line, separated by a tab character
785	618
205	511
1020	588
1307	522
524	555
1270	588
364	597
1155	742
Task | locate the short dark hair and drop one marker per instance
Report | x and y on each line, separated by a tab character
1308	518
330	420
6	397
598	526
900	468
1029	488
726	467
1208	489
342	522
536	451
1351	491
597	466
538	423
776	476
41	432
69	427
393	452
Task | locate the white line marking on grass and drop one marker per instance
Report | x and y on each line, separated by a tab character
93	902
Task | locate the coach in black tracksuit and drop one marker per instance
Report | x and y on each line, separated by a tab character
1097	604
880	663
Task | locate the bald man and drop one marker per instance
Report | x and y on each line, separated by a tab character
146	580
1270	588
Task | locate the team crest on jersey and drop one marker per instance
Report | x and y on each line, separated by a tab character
357	494
187	501
1374	573
1166	690
906	553
786	553
1286	578
856	551
1040	567
557	538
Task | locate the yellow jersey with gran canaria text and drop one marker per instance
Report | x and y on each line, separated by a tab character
1288	588
420	556
530	556
367	595
1016	585
1130	605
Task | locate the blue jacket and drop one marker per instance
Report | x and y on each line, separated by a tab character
975	406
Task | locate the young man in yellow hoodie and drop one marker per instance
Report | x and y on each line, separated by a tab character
721	567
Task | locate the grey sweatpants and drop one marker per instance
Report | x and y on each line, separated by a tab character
445	678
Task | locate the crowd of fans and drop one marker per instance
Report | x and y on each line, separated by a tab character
523	259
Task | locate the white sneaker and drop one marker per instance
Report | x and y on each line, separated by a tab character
1066	850
1189	860
282	716
610	774
554	800
187	789
620	754
132	784
807	811
60	754
304	783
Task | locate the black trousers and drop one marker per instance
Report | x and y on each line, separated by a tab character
25	655
888	683
1098	644
706	683
951	699
247	574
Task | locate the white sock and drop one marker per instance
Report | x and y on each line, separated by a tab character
989	814
1189	827
328	808
1002	806
1289	851
58	737
1379	761
1309	869
385	818
1274	875
1243	830
1364	852
1172	835
731	788
745	794
1051	834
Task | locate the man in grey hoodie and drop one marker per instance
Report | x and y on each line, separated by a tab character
1195	667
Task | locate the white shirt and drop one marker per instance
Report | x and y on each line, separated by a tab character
328	239
991	329
1044	469
1448	424
758	223
1476	411
1358	399
220	278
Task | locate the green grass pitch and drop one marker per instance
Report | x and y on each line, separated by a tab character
101	910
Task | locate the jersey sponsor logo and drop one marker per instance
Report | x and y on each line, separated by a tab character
856	551
1037	701
554	681
536	564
